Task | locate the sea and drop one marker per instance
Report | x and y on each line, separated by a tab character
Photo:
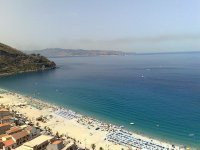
159	93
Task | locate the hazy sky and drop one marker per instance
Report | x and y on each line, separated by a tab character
129	25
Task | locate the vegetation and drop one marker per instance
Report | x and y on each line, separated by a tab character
57	134
14	61
93	146
37	124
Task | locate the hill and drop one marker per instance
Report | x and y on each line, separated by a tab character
13	61
59	52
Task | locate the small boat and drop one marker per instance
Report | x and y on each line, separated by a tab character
132	123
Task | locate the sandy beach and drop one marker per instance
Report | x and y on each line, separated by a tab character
84	129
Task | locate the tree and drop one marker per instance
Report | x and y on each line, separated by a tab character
57	134
93	146
37	124
101	148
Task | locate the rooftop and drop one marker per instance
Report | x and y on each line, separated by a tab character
8	143
56	142
19	135
28	128
14	130
4	124
2	135
6	118
24	126
6	137
38	140
4	110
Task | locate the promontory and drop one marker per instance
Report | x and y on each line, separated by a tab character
13	61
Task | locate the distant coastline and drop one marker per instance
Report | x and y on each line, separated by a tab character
163	53
61	52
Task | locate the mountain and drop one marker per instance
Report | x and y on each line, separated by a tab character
163	53
59	52
13	61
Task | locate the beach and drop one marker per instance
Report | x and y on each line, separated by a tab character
85	130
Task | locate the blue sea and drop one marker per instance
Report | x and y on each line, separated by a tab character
159	93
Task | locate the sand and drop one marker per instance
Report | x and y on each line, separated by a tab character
85	135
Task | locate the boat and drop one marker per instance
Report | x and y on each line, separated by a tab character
132	123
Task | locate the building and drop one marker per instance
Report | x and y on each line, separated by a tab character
33	131
20	137
39	143
4	112
4	127
1	142
7	142
70	146
7	119
13	130
55	145
5	116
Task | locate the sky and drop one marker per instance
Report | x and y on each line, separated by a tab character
127	25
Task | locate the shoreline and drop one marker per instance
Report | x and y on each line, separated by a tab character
27	71
105	129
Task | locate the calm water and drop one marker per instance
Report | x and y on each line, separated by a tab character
159	93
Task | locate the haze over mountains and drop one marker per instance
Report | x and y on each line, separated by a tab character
60	52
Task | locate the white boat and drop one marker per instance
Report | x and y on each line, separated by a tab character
132	123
